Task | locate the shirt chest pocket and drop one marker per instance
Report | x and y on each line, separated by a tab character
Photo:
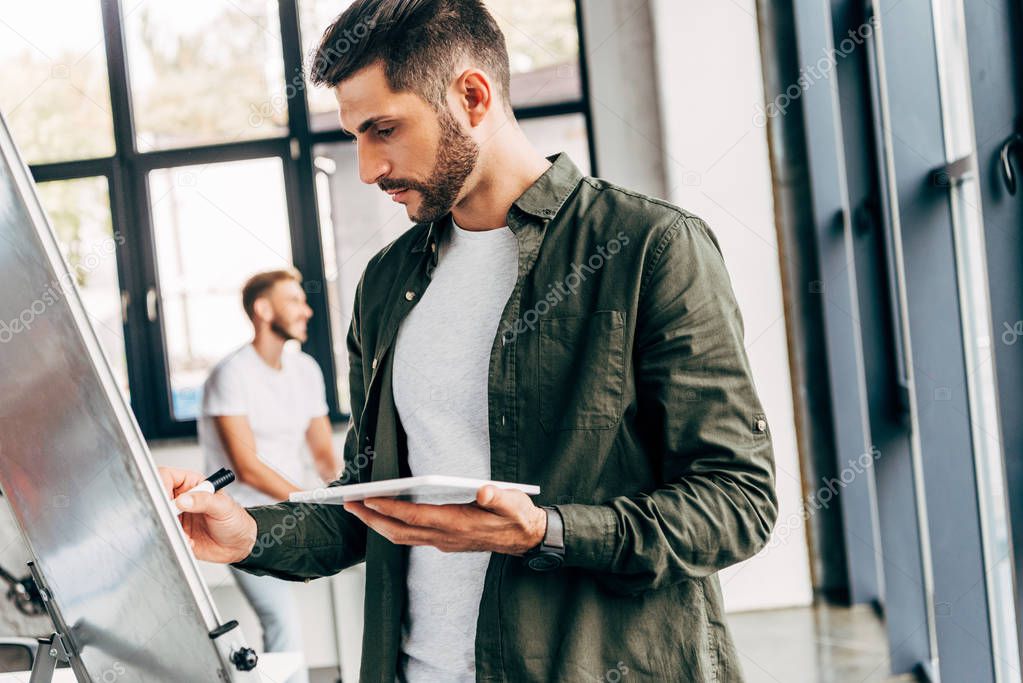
582	371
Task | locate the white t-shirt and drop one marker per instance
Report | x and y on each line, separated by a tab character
441	371
279	405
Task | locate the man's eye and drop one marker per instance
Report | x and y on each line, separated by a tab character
385	132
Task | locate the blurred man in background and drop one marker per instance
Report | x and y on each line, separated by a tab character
264	413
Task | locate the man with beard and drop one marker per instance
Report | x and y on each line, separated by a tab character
264	412
535	326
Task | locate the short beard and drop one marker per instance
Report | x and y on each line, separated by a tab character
277	328
457	154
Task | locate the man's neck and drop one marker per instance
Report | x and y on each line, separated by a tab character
270	348
507	173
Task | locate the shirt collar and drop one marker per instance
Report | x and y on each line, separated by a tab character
543	199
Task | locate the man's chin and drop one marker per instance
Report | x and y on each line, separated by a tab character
413	210
418	215
292	335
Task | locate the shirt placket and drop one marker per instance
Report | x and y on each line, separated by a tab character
409	293
502	386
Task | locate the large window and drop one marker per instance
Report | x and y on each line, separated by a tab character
182	140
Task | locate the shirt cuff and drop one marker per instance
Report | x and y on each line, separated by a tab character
589	535
273	533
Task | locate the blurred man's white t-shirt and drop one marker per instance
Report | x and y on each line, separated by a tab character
278	404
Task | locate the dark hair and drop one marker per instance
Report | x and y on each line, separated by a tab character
259	284
418	41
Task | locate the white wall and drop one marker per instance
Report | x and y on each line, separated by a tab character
674	88
623	93
716	160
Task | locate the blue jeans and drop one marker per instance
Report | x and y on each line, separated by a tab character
277	609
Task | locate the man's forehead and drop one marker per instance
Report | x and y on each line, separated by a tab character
288	288
362	96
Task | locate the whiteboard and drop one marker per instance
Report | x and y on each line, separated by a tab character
80	479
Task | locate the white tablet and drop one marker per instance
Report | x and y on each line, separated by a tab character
432	488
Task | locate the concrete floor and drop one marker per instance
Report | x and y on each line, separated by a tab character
821	644
323	676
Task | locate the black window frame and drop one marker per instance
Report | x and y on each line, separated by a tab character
126	174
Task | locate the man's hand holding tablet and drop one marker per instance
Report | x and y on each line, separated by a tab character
499	520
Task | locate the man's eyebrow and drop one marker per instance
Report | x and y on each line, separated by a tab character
365	125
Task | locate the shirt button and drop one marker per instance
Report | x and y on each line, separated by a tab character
410	295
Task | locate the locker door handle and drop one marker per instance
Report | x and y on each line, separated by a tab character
1014	141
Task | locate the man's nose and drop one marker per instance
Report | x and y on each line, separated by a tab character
372	167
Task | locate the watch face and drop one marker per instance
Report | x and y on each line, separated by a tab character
543	562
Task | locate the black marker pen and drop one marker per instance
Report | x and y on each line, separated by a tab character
212	483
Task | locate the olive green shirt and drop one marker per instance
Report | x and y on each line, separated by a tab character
619	384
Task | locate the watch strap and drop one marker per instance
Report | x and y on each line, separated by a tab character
554	538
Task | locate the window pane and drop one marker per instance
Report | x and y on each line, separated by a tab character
553	134
55	93
205	72
975	316
80	213
315	16
543	52
214	225
357	220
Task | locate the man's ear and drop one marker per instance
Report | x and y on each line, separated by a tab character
262	308
475	94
